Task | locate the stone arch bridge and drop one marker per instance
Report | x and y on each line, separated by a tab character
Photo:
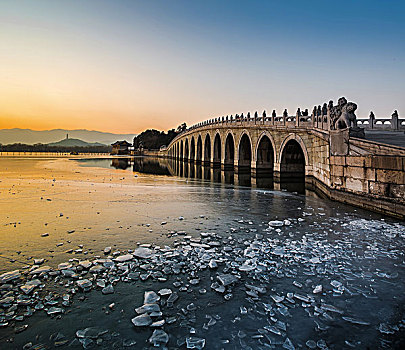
255	147
340	166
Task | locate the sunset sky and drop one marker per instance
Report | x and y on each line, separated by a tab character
124	66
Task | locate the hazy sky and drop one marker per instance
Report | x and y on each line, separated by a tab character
123	66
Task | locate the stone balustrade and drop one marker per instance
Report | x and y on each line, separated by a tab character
392	123
291	121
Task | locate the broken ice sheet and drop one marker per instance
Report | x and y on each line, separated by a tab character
195	343
150	297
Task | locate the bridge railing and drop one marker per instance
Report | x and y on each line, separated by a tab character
290	121
393	123
320	122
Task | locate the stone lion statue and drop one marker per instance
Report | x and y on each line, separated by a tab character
347	118
342	116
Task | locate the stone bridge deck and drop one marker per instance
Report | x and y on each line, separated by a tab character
352	170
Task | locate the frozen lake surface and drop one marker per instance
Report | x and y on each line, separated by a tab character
95	254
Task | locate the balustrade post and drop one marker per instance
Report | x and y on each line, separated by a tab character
394	121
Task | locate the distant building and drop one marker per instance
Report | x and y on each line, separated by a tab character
120	147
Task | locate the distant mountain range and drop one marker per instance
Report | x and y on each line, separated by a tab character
30	137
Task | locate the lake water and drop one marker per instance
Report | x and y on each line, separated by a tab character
253	267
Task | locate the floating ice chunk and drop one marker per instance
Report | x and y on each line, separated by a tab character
85	264
217	287
195	343
159	337
129	342
261	290
288	344
385	328
246	266
272	329
84	284
212	264
91	332
39	270
96	269
30	286
311	344
108	290
278	251
267	307
301	297
317	289
172	299
276	223
159	323
55	310
123	258
297	284
277	298
150	297
331	308
64	266
165	291
143	253
142	320
227	279
148	308
355	321
336	284
9	276
281	325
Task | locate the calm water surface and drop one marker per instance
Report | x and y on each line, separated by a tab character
331	276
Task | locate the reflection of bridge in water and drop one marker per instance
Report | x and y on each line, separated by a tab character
190	170
145	165
300	148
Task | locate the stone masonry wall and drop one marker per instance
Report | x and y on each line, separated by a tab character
377	177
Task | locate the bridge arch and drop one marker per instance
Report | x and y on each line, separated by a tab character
229	148
245	151
186	150
265	152
217	149
192	149
293	157
199	149
207	149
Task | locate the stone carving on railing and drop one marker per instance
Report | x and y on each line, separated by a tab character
314	112
285	114
324	109
342	116
273	115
